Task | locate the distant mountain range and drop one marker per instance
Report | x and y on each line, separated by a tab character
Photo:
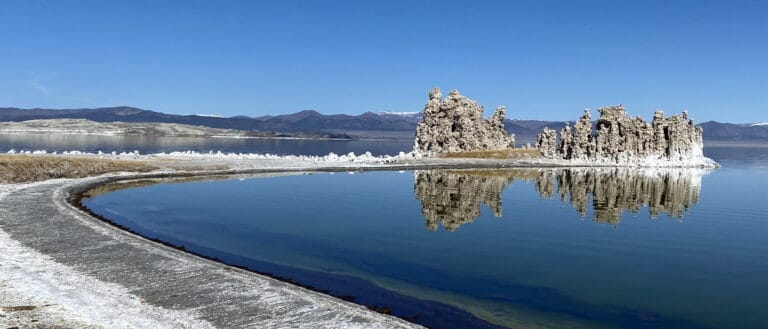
118	128
391	124
304	121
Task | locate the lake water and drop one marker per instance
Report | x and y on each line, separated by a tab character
614	248
156	144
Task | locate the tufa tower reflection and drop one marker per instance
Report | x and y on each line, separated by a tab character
451	198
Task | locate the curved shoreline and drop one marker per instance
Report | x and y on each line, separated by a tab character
407	308
101	273
125	275
76	271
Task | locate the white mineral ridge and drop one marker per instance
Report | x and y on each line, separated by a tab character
351	157
646	162
74	298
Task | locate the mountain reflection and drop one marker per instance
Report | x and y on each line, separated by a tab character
452	198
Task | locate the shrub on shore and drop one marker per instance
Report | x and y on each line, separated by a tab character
30	168
514	153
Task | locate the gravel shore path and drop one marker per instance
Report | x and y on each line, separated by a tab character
61	268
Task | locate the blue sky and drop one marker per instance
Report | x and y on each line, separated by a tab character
542	59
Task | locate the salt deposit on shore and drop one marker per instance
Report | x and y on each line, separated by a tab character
37	291
367	158
59	267
34	286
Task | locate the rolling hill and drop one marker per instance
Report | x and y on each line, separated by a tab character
390	124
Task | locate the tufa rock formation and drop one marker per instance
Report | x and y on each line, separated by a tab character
456	124
619	139
451	198
546	143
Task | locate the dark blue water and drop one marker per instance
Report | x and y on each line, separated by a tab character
518	248
154	144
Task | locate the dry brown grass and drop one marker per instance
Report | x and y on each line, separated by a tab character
516	153
26	168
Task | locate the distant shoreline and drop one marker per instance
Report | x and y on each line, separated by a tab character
110	134
150	129
735	143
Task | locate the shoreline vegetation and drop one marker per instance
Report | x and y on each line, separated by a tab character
512	153
22	167
30	168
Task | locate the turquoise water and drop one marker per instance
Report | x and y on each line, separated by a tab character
516	248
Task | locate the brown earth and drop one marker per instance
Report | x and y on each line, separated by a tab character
30	168
513	153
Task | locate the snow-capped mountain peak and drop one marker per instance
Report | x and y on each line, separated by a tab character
404	114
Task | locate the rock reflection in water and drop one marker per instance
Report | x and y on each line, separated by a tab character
671	191
452	198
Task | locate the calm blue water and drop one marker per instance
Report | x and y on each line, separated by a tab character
155	144
517	248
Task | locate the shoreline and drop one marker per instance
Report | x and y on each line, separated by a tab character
45	201
409	308
87	273
63	300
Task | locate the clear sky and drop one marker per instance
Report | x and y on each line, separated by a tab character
542	59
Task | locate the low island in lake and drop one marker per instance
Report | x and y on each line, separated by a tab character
454	126
452	134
